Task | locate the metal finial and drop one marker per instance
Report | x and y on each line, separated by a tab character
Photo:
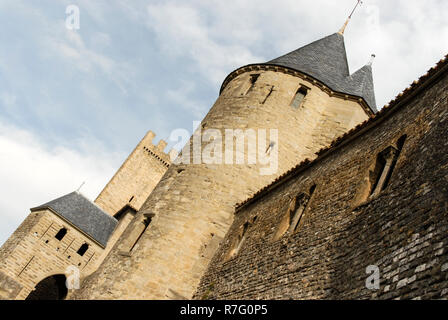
349	17
82	184
371	59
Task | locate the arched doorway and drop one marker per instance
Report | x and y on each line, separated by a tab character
51	288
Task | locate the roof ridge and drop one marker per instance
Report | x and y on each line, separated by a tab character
96	205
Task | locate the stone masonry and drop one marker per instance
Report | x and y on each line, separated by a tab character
33	254
192	206
137	177
367	192
403	230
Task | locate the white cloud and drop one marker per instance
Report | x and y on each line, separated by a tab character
32	174
101	39
181	97
407	35
183	32
408	38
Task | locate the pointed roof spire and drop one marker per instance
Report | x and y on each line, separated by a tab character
342	30
361	84
371	59
326	61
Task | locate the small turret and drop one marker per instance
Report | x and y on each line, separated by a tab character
362	83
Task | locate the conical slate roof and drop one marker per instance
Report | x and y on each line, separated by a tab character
326	61
361	84
83	214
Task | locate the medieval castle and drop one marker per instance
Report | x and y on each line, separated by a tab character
356	192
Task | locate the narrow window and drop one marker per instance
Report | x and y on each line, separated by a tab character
299	97
137	233
401	141
240	240
61	234
301	204
376	174
294	215
385	165
83	249
253	80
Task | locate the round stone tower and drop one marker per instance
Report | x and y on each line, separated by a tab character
293	106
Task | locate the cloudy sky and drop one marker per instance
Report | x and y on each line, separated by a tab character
74	103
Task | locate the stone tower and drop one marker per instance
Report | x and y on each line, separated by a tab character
66	233
302	101
137	177
72	232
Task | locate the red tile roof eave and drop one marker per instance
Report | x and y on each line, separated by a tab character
416	87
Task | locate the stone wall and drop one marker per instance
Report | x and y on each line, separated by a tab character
403	230
27	258
131	185
33	253
191	208
9	288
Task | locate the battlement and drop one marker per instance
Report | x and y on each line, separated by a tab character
157	151
137	176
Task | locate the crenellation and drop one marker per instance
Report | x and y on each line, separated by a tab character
162	145
137	177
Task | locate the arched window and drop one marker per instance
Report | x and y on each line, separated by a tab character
385	165
294	215
239	241
61	234
83	249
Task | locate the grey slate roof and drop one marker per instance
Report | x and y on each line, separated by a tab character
83	214
361	83
326	61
